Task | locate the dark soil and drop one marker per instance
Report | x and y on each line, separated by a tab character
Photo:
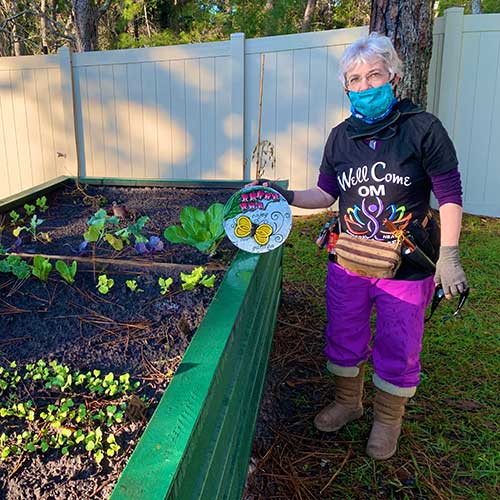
144	334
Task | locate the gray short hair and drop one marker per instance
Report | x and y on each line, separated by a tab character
373	46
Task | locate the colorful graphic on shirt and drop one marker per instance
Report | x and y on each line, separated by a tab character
367	220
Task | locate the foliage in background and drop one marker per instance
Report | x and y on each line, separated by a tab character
487	6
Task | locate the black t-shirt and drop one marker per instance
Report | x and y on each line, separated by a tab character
390	181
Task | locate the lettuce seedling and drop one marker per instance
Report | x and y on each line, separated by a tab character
202	230
133	286
30	209
104	284
197	277
41	267
67	272
164	284
41	203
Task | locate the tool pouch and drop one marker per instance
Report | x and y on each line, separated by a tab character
367	257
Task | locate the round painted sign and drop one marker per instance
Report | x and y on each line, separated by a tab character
257	219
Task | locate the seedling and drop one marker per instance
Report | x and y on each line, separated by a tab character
41	267
197	277
41	203
14	217
149	247
133	286
32	229
29	209
67	272
104	284
134	230
15	265
202	230
97	229
164	284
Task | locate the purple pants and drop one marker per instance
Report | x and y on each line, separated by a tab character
400	306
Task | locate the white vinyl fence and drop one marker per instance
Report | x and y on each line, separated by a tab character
191	111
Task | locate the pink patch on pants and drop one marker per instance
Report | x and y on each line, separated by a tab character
400	307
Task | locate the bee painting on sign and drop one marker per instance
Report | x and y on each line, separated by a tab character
257	219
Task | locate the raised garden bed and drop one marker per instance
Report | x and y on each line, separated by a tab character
197	441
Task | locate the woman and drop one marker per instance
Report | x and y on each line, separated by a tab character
382	163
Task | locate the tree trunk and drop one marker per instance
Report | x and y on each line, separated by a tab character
86	17
10	9
408	23
476	6
308	14
43	27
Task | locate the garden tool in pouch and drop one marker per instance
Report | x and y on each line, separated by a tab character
328	235
411	250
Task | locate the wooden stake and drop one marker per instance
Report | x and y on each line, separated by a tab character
259	153
119	262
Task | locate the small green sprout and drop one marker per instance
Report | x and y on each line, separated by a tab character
104	284
67	272
133	286
30	209
197	277
14	217
41	203
41	267
164	284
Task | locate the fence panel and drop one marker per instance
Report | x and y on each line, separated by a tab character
140	112
33	138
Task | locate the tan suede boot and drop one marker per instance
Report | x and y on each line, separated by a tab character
388	416
347	405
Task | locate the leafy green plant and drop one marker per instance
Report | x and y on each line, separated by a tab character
197	276
15	265
165	284
133	286
67	273
104	284
15	217
32	229
97	229
29	209
134	230
41	267
63	423
41	203
202	230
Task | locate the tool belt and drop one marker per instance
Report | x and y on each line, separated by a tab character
367	257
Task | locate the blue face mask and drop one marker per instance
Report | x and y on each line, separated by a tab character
373	104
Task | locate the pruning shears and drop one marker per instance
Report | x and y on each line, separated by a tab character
438	297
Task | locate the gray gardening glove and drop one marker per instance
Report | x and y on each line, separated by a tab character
449	272
286	193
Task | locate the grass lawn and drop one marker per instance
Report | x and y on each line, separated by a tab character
450	444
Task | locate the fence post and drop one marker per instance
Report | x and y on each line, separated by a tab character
238	103
450	67
66	68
